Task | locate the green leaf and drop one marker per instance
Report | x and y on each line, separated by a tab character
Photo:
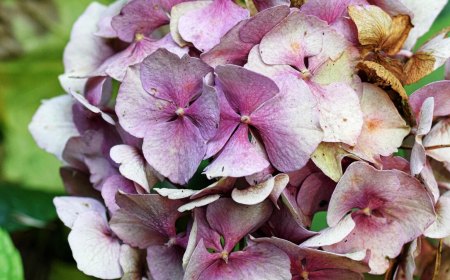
23	208
10	261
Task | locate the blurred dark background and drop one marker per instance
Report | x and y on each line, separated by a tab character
33	34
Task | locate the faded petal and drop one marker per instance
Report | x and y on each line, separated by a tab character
69	208
440	91
112	186
95	249
164	262
52	125
439	135
441	227
254	194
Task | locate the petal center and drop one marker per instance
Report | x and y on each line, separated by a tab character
180	112
245	119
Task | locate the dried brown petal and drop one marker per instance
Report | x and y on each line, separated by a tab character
418	66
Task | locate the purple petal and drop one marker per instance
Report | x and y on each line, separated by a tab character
136	109
258	26
288	125
245	90
164	75
204	27
329	11
238	158
164	262
224	214
440	91
145	220
205	111
174	149
139	17
262	5
112	186
105	29
94	247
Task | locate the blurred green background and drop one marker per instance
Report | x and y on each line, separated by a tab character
33	34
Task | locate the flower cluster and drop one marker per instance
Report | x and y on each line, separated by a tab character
200	138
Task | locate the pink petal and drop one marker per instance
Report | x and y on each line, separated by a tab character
440	91
204	27
136	109
116	66
238	158
94	248
52	125
327	10
383	129
389	202
145	220
139	17
69	208
164	75
296	37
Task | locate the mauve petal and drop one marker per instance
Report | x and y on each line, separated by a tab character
258	26
315	262
262	5
438	47
204	27
205	112
253	194
229	120
98	91
94	248
282	224
439	135
200	260
112	186
164	75
223	185
76	183
69	208
329	11
245	90
177	12
441	227
137	110
259	261
430	182
116	66
288	126
139	17
105	29
238	158
224	214
133	166
145	220
383	129
164	262
341	117
440	91
389	202
395	162
94	109
174	149
52	124
315	194
296	37
230	50
204	233
281	181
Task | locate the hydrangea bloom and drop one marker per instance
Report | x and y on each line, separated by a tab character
236	124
